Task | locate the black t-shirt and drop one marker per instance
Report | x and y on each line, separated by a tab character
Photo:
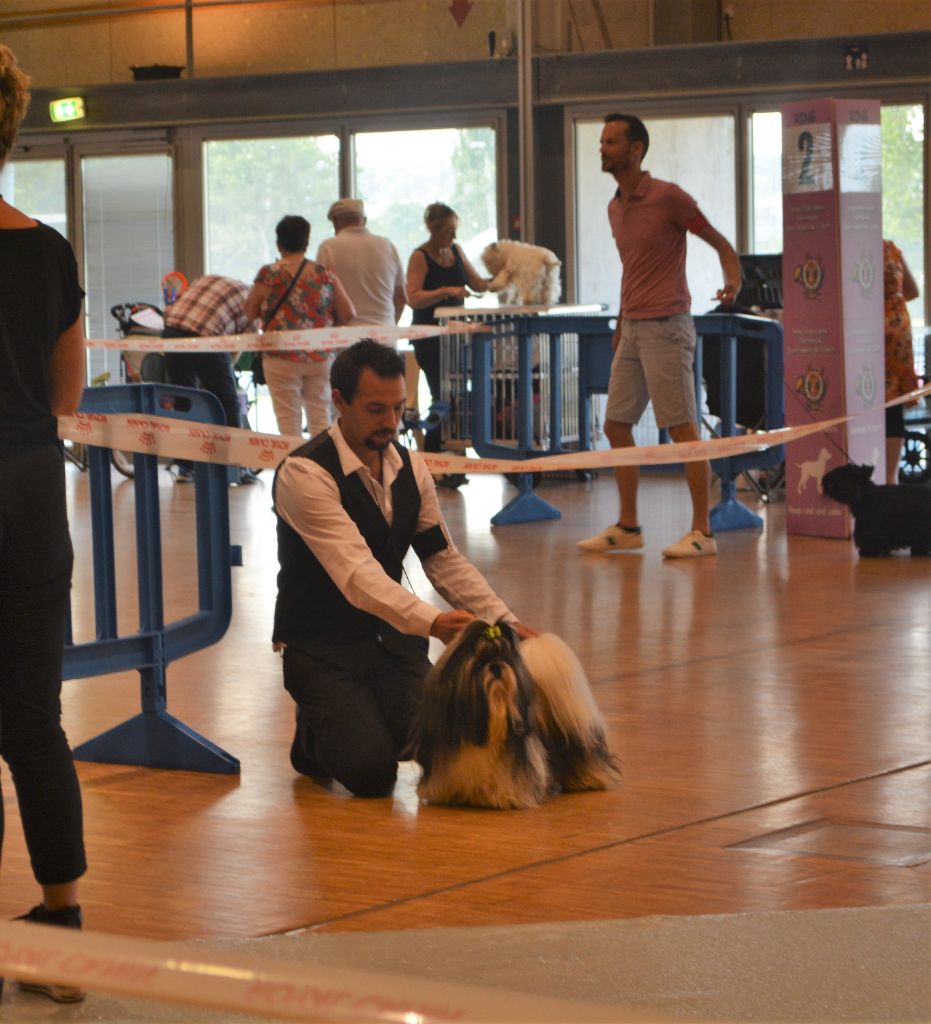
40	297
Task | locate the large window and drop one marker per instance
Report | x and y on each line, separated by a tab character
697	153
38	188
250	184
399	173
766	182
903	135
128	238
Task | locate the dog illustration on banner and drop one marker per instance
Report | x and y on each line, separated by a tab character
522	274
813	470
503	724
886	517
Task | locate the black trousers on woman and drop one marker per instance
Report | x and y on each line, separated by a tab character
427	352
35	580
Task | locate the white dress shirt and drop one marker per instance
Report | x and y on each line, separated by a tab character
307	498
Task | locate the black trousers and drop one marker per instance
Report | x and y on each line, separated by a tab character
35	580
427	352
359	701
211	371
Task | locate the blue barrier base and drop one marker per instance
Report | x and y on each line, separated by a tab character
527	507
157	740
732	514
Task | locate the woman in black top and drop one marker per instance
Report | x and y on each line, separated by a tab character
42	369
437	275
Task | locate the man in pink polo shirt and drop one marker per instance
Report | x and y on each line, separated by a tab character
654	341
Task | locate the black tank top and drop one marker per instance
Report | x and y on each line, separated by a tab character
39	298
441	277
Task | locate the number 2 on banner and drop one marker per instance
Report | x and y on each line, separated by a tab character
807	159
806	144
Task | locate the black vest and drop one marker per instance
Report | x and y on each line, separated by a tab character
310	607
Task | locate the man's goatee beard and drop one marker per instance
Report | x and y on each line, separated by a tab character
377	444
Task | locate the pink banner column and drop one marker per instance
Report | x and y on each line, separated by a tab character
832	286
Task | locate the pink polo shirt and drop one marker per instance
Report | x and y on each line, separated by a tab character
649	227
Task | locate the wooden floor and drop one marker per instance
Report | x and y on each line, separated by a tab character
770	708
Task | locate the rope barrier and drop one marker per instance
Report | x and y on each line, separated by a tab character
317	339
193	976
179	439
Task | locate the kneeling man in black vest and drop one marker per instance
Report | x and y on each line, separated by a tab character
350	503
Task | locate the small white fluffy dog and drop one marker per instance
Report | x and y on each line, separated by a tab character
503	724
522	274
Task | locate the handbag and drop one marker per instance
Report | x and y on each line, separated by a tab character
258	371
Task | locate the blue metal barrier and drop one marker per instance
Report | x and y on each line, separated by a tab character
154	738
594	367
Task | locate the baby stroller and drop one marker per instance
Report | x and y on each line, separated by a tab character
132	318
141	318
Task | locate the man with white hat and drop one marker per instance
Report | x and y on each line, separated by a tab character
368	265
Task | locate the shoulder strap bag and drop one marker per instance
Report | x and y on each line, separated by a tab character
258	370
267	319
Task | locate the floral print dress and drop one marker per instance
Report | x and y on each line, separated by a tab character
900	361
309	305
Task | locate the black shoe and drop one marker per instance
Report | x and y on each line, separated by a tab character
66	917
301	761
247	477
452	481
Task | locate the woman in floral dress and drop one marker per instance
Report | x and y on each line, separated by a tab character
898	288
299	382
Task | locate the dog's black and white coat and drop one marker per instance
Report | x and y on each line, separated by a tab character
886	517
503	724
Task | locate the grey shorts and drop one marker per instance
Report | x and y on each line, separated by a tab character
653	362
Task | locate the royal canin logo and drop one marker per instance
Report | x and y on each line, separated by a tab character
208	448
269	442
147	438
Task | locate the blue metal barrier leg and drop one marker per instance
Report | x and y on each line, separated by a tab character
527	507
729	513
158	740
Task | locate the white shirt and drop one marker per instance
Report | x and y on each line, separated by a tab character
307	498
370	270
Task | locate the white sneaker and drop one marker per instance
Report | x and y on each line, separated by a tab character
693	545
612	539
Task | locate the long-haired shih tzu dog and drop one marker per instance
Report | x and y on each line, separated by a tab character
503	723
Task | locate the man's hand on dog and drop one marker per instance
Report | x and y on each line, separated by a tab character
448	625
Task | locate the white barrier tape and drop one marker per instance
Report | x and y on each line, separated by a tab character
318	339
204	442
197	977
229	446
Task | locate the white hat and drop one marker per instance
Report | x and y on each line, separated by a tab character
350	208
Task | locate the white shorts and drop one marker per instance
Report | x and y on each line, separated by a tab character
654	362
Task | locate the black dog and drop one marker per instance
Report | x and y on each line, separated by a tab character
887	517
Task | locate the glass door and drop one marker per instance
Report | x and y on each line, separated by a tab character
128	239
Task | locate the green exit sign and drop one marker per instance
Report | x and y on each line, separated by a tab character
70	109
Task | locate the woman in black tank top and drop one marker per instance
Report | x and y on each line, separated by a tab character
439	274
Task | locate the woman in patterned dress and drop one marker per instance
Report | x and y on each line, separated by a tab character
898	288
299	382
